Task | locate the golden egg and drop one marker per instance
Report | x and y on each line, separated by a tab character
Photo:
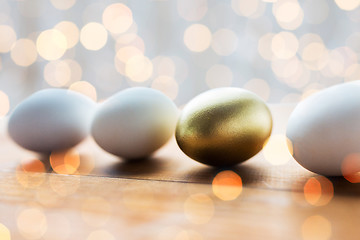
224	126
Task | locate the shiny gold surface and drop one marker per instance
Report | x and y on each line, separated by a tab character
224	126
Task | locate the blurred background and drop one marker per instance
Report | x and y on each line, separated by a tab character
282	50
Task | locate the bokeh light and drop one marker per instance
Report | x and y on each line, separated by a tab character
288	14
289	45
188	235
164	66
318	191
167	85
138	68
199	208
350	168
32	223
352	73
308	38
282	50
284	45
63	4
70	31
315	55
227	185
64	187
8	38
197	37
347	5
290	71
335	64
23	52
57	73
192	10
51	44
4	104
93	36
316	228
65	162
87	164
277	149
129	39
84	88
47	198
30	173
117	18
311	89
4	232
59	227
100	234
76	70
339	60
125	53
61	73
126	39
246	8
258	86
224	42
265	46
178	233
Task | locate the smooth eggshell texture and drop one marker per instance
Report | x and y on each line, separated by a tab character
51	120
325	128
224	126
134	122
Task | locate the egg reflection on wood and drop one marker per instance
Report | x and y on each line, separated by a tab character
135	122
324	130
224	126
51	120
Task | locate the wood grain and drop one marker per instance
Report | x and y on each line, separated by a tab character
168	196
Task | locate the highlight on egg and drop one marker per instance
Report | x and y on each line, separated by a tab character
135	122
324	130
224	126
51	120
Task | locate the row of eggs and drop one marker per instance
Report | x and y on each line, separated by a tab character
220	127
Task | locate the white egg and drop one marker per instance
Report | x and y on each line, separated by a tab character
325	128
51	120
134	122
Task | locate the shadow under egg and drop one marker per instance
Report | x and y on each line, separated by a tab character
249	174
136	167
67	162
343	187
45	159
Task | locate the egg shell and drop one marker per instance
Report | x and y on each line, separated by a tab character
51	120
325	128
134	122
224	126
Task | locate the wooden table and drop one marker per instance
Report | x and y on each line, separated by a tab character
95	195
